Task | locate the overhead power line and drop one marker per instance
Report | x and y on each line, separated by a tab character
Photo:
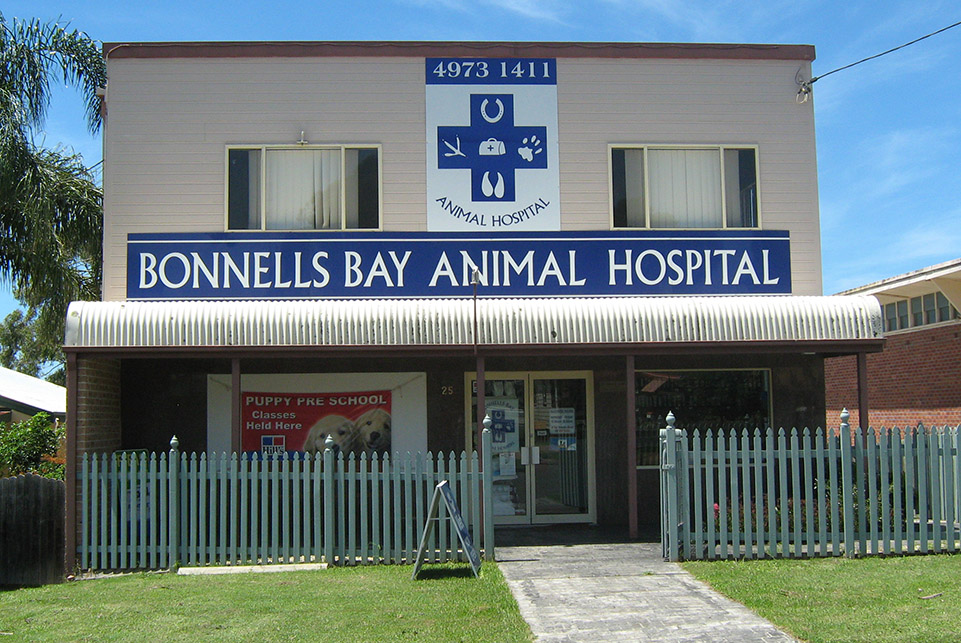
805	88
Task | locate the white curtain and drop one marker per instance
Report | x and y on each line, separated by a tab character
685	188
634	188
303	189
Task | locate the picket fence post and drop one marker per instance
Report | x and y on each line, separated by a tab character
173	511
488	473
669	472
847	485
329	500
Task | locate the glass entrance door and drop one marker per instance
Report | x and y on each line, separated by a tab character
542	439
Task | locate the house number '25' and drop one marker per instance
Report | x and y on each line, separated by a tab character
446	390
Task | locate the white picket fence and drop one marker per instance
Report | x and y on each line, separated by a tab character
158	511
767	494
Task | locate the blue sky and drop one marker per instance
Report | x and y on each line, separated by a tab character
888	131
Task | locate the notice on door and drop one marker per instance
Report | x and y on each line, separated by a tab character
561	421
508	463
504	412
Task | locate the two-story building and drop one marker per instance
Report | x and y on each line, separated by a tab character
386	241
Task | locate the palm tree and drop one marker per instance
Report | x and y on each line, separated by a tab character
51	210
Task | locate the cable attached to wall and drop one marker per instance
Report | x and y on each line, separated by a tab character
804	86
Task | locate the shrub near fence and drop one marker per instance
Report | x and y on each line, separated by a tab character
31	530
766	494
154	511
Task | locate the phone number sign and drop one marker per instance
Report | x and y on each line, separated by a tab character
492	148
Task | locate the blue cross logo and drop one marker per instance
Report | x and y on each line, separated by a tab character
500	426
491	147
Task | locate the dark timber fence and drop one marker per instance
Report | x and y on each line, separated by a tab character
31	530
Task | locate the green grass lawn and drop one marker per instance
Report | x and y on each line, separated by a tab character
378	603
839	599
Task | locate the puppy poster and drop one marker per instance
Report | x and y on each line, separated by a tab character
276	423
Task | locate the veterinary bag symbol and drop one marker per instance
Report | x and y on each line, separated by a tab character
492	132
492	147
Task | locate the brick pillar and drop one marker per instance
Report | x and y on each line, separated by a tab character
93	426
98	405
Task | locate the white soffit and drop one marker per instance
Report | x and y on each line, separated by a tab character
450	322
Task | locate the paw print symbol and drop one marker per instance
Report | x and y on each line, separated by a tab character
531	146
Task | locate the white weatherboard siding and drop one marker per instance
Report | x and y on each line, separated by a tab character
169	120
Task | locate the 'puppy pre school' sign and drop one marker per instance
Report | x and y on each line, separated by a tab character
492	144
275	423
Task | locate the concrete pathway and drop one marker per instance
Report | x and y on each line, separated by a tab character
622	592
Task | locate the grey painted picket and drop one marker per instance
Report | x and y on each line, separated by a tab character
153	511
821	493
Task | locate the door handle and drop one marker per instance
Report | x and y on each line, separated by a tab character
525	456
535	455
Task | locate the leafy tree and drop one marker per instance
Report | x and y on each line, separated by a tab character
23	348
31	447
51	210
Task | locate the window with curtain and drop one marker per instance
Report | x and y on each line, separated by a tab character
305	188
665	187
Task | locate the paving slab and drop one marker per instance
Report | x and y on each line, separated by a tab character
622	592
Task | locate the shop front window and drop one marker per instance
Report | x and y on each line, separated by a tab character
699	400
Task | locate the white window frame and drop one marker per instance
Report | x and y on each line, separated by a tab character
645	147
892	300
342	147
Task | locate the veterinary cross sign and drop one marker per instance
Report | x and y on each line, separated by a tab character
492	147
500	426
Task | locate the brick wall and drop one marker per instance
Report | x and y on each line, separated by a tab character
917	378
97	423
98	405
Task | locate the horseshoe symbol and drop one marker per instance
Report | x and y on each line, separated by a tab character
500	113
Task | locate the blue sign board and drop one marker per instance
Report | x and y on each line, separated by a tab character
491	71
443	490
293	265
492	144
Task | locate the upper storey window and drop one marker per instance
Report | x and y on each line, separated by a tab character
303	188
684	187
918	311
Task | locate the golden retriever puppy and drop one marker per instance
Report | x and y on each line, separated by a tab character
342	430
373	429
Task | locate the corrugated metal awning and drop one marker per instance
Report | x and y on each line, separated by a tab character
450	322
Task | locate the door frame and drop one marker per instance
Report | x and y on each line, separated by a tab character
528	376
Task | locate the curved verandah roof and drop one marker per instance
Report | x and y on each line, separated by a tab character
836	324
